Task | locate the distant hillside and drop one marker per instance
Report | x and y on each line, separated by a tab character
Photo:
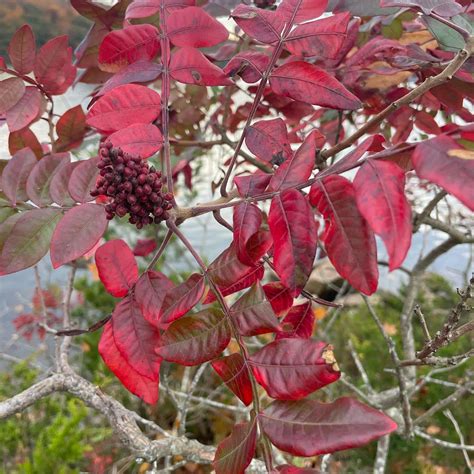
48	18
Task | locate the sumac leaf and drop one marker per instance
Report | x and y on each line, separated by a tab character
26	111
299	322
150	292
144	387
16	173
190	66
83	180
78	232
308	83
262	25
252	185
294	233
22	50
236	452
118	270
249	65
268	140
297	169
253	314
123	47
71	128
436	161
182	298
11	91
290	369
58	189
322	38
234	373
144	247
24	139
136	338
348	239
28	240
142	139
193	27
311	428
279	296
196	338
124	106
39	180
302	10
247	219
380	194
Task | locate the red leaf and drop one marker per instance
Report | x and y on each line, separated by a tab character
15	175
53	66
287	469
279	297
445	8
349	241
380	194
236	452
123	47
262	25
58	189
268	140
310	428
294	233
136	338
196	338
144	247
28	241
190	66
302	10
83	180
144	387
118	270
246	280
234	373
193	27
322	38
290	369
11	91
39	180
253	314
249	65
297	169
150	291
305	82
181	299
146	8
141	71
26	111
138	139
299	322
71	128
123	106
22	50
24	139
436	161
252	185
78	232
426	123
246	222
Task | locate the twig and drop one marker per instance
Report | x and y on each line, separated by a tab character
383	446
402	382
453	420
442	443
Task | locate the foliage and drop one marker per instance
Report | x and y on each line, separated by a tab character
323	78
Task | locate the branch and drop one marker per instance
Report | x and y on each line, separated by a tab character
445	75
122	421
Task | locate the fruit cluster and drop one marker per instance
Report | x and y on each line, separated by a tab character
133	186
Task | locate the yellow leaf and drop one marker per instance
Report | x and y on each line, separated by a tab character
460	153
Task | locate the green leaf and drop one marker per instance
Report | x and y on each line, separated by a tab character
28	240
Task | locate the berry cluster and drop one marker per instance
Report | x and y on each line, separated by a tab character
133	186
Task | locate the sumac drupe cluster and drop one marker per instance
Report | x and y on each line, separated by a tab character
135	188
